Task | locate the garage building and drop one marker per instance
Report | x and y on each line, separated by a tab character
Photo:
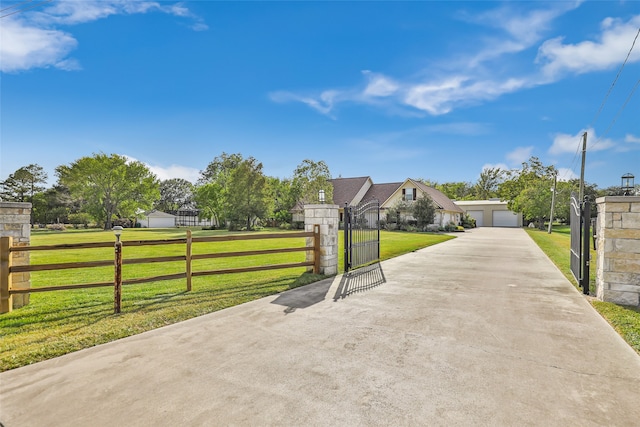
490	213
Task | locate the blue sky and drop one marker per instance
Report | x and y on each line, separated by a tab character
434	90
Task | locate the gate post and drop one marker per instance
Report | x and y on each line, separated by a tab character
326	216
15	221
618	250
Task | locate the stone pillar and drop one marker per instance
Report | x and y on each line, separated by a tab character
327	217
15	222
618	250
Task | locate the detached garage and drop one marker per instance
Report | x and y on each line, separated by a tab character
156	219
490	213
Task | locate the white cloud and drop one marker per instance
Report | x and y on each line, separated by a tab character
566	174
632	139
519	155
168	172
565	143
323	104
608	50
379	85
24	46
175	171
457	81
31	39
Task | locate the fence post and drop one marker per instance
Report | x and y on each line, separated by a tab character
117	283
6	299
316	249
188	258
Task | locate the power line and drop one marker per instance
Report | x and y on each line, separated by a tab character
593	122
15	5
618	113
24	8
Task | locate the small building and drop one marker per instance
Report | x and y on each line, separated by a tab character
156	219
490	213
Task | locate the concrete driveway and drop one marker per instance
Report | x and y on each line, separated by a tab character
480	330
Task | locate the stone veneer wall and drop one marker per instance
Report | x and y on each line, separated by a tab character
15	221
327	217
618	250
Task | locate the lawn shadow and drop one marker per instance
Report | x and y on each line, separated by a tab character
304	296
360	280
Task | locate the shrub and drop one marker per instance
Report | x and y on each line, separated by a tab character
56	227
468	221
433	228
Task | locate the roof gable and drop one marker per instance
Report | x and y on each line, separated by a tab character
381	192
438	197
345	190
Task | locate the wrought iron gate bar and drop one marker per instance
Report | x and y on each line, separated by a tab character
361	234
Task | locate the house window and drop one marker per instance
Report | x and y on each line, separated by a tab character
409	194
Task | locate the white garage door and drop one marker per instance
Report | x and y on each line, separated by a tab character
505	219
478	216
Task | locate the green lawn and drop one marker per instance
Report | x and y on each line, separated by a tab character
59	322
625	320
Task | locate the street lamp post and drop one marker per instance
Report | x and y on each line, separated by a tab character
117	281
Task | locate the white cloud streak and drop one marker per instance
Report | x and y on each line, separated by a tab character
459	83
31	39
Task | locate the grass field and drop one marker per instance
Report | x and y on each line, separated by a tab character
625	320
59	322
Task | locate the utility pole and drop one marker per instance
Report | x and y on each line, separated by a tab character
553	200
584	155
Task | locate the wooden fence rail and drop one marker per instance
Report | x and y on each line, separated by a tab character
7	268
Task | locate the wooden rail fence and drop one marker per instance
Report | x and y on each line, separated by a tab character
7	269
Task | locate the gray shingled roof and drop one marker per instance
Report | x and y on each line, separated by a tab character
439	198
346	189
381	192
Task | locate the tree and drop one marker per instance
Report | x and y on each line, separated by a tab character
54	205
280	199
25	182
309	178
220	168
487	185
245	193
174	193
457	190
528	190
424	211
110	186
210	201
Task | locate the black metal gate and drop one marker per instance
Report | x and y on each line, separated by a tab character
361	234
580	221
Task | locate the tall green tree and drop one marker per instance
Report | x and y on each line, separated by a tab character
280	199
309	178
457	190
209	199
245	193
110	186
21	185
487	185
528	190
174	193
424	211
